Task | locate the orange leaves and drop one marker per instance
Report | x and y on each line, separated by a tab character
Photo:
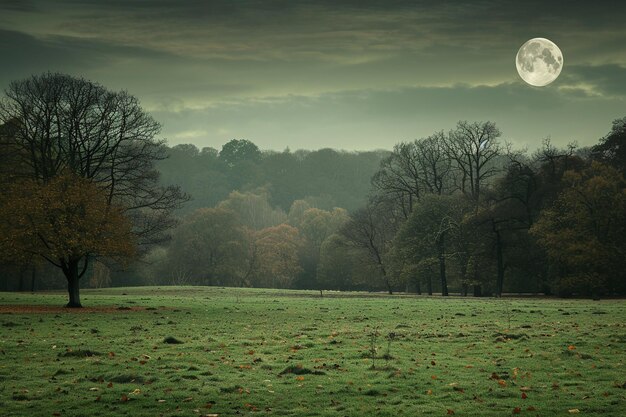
251	407
65	218
300	378
517	410
277	253
524	396
502	382
571	347
449	411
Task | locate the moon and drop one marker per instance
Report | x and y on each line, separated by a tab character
539	62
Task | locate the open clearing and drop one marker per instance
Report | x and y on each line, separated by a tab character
185	351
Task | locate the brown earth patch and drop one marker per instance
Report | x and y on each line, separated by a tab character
35	309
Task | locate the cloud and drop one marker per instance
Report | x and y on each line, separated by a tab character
18	5
606	80
370	119
359	74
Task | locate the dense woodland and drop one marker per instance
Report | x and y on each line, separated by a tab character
458	212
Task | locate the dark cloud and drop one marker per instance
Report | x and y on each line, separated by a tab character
24	54
18	5
352	73
608	80
377	119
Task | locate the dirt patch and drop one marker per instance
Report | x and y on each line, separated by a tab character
299	370
33	309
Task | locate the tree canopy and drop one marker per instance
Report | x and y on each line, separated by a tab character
60	129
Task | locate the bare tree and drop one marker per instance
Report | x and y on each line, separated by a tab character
371	230
474	146
414	169
435	166
398	178
60	124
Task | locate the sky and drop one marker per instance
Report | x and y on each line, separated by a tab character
311	74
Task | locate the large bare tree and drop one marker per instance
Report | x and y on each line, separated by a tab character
415	169
56	124
474	147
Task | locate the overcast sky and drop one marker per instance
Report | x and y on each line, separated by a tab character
356	74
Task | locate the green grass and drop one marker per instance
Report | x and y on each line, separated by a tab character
288	353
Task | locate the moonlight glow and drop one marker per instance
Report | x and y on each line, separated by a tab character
539	62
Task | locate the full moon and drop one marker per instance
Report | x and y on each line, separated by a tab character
539	62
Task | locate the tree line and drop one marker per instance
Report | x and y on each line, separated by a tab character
87	190
457	211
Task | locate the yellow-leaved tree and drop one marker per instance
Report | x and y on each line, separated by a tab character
67	221
78	178
583	232
277	250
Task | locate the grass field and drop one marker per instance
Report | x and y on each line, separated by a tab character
266	352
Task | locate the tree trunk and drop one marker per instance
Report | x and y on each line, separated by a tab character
500	265
464	284
23	285
430	284
389	289
478	291
418	287
442	266
71	273
33	278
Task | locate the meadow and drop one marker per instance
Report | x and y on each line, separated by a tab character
205	351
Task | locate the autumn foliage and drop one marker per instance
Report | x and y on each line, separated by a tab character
583	232
61	220
67	221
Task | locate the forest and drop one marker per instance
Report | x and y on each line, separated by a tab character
90	198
